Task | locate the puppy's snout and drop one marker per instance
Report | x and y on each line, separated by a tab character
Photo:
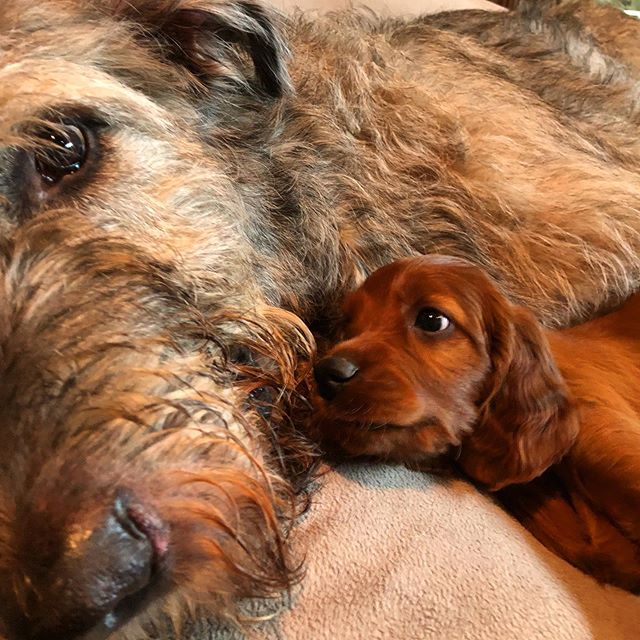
332	374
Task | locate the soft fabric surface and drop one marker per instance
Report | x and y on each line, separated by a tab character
403	555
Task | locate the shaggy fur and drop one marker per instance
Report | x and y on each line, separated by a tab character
176	177
440	363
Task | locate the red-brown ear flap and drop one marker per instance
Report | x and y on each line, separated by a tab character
235	42
527	422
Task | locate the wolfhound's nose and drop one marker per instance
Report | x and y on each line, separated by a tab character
101	576
332	374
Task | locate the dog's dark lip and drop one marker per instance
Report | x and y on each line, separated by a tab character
390	426
372	426
385	426
127	609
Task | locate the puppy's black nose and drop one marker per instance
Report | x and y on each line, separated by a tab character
332	374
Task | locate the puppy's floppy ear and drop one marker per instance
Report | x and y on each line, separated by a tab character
232	41
527	422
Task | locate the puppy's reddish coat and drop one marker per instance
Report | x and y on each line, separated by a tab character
550	419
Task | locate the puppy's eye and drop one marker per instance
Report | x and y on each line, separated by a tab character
432	320
64	152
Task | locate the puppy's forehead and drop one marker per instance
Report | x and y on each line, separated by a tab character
413	278
452	285
378	289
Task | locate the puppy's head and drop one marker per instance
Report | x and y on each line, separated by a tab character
434	357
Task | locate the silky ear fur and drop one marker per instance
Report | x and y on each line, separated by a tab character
527	421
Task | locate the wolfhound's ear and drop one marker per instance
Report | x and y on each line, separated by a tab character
233	41
528	421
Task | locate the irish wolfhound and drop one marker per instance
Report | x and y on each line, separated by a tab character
177	179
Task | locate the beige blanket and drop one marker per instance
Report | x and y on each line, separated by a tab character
393	554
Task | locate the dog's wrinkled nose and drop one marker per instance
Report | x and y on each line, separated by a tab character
332	374
100	576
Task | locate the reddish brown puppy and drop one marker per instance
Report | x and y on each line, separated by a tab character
436	362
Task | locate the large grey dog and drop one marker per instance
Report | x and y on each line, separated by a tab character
178	178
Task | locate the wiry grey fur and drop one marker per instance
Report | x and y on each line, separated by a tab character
241	167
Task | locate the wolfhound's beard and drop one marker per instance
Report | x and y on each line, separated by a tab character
157	440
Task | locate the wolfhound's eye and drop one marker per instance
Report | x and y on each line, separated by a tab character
64	152
431	320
